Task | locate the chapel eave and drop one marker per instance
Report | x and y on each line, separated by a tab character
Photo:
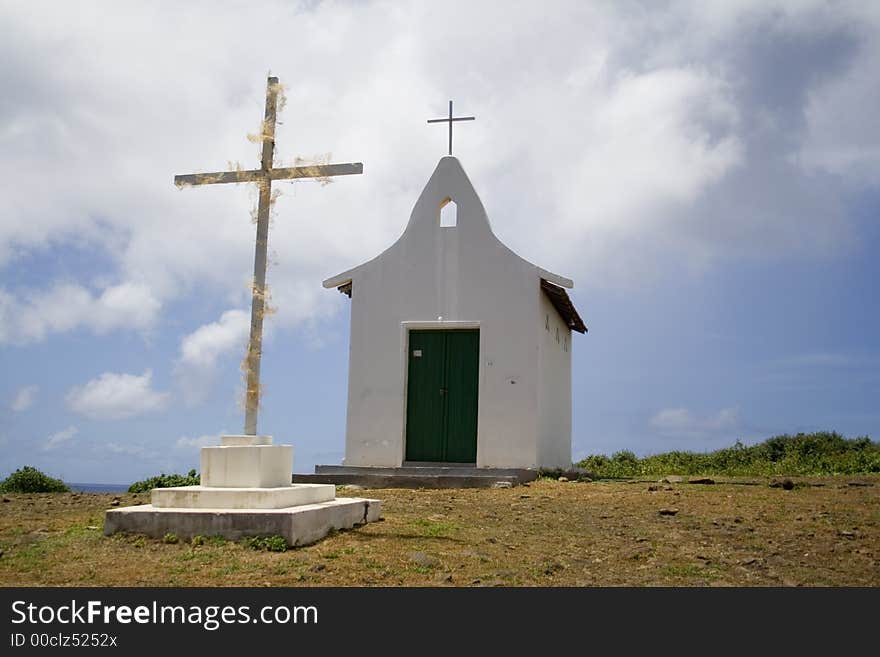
563	305
561	281
340	279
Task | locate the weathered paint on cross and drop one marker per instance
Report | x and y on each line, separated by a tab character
449	120
263	177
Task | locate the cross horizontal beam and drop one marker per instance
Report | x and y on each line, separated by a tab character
458	118
255	175
450	120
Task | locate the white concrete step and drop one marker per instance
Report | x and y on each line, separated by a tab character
211	497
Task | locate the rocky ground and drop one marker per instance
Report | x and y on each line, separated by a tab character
805	532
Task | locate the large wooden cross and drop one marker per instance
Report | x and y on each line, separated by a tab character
263	177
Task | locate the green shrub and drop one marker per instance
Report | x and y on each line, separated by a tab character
165	481
31	480
214	540
270	543
820	453
170	538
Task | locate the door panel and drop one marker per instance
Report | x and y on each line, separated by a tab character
426	406
462	364
442	396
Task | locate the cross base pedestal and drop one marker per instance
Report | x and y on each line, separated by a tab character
246	490
247	462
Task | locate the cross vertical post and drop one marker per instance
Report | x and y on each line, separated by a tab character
449	120
258	304
450	127
263	177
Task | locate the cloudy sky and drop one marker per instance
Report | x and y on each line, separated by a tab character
707	172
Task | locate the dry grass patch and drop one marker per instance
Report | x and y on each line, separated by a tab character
548	533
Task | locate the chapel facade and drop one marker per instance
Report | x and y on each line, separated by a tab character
460	349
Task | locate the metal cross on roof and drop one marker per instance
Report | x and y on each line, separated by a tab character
264	177
450	120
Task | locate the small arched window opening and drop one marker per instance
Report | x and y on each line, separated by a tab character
448	213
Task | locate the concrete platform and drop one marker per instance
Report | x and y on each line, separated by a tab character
299	525
417	476
206	497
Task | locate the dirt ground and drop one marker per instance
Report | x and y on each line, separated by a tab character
824	532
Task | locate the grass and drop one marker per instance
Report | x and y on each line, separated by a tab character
824	532
434	528
804	454
688	571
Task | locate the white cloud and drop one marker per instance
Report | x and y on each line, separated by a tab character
842	124
59	438
640	143
200	351
185	442
680	422
129	305
24	398
128	450
651	152
32	315
116	396
206	344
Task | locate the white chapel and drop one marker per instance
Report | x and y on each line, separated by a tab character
460	349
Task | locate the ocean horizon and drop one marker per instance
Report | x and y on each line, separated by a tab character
98	488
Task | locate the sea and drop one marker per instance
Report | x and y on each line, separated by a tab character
98	488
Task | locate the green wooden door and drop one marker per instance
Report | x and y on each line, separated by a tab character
462	364
442	391
425	403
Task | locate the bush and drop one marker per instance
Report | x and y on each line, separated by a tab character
31	480
820	453
270	543
165	481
